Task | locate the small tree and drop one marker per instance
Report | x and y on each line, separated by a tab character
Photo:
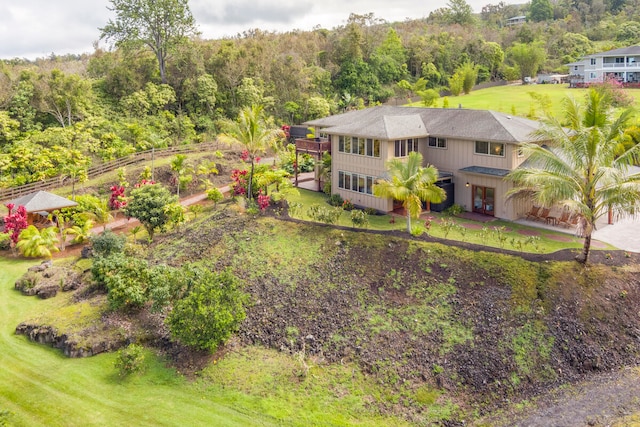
147	204
210	313
411	184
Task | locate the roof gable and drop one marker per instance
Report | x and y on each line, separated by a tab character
42	201
392	122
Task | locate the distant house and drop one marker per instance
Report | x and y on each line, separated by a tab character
472	149
516	20
622	64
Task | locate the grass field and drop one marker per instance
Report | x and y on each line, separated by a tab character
39	386
516	99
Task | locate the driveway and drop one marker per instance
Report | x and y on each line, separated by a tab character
624	234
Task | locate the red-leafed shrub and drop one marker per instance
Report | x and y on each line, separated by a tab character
15	222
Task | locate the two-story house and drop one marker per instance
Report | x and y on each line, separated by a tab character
472	149
622	64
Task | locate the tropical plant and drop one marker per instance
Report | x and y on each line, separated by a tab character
15	222
411	184
212	310
255	132
107	243
584	167
38	243
147	204
182	171
81	232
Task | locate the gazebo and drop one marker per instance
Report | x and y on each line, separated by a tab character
40	204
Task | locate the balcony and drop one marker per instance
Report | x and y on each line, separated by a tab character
315	146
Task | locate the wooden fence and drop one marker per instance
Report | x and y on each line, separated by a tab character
101	168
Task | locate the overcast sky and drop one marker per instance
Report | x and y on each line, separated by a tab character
36	28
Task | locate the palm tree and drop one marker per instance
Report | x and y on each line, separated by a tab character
38	243
181	169
255	132
411	184
585	166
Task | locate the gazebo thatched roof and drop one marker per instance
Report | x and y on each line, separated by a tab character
42	201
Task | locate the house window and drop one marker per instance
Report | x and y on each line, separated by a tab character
490	148
437	142
412	145
593	61
369	147
355	182
400	148
575	68
360	146
592	75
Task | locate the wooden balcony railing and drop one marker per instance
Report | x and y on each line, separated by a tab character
313	146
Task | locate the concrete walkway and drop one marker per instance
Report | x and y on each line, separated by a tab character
624	234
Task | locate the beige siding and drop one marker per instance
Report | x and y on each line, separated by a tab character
458	154
363	165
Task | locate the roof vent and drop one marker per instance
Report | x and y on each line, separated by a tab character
508	117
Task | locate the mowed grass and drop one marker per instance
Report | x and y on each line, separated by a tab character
39	386
516	99
499	234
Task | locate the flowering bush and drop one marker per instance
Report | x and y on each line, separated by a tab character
239	185
145	182
15	222
263	201
245	157
117	200
347	205
615	90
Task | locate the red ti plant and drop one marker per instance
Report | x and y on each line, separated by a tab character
117	199
15	222
263	201
239	178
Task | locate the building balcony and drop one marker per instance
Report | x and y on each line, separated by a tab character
313	145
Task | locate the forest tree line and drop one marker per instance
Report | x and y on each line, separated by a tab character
59	115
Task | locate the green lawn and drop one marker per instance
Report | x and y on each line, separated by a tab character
39	386
500	234
516	99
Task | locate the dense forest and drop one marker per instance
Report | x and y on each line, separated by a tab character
59	115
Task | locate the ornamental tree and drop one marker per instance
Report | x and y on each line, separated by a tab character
148	204
15	222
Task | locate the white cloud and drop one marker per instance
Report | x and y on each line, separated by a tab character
37	28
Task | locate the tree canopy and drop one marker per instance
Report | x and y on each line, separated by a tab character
585	167
160	25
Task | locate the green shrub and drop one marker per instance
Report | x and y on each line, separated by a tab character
215	195
371	211
210	313
454	210
335	200
328	215
5	242
107	243
359	218
130	360
125	278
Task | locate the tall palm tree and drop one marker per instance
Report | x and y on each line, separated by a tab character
255	132
38	243
585	166
411	184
